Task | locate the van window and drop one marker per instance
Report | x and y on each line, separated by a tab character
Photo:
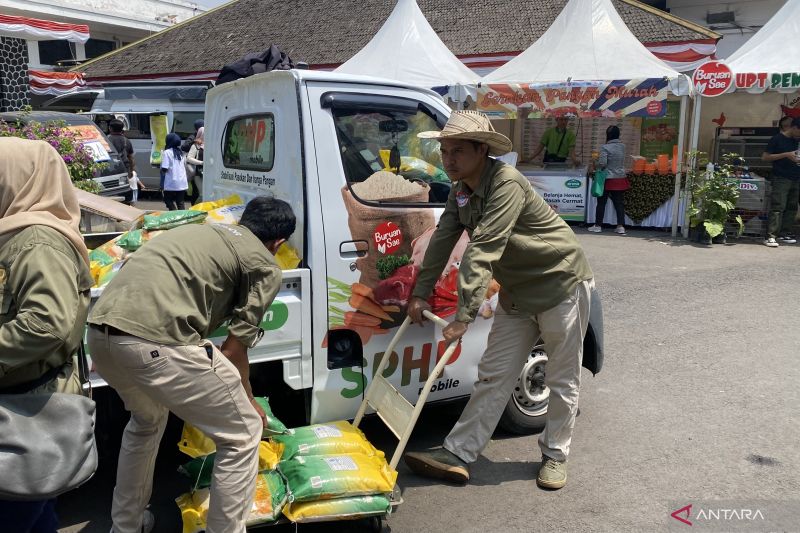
183	122
250	143
367	138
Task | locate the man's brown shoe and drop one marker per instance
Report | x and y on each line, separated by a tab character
552	474
438	464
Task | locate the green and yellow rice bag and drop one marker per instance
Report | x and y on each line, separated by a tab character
194	442
333	438
229	214
268	501
336	476
337	509
216	204
173	219
134	239
274	426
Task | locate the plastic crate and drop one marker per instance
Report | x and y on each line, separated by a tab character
753	207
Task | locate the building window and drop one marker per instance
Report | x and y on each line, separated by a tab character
51	52
98	47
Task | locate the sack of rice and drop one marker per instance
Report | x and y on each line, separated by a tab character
337	509
173	219
323	477
134	239
333	438
364	219
274	426
109	252
229	214
216	204
268	501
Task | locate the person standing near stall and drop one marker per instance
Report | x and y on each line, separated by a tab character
785	181
612	160
516	238
558	143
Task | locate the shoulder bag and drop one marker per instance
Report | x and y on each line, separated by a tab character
47	444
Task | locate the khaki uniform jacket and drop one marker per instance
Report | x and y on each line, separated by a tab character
181	286
44	299
515	237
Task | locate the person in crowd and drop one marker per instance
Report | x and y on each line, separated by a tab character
122	145
782	152
154	352
135	184
174	182
44	291
546	283
558	143
785	123
194	166
612	160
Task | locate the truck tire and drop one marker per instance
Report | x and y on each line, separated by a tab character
526	409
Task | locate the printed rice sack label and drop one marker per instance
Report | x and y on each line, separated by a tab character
337	509
173	219
216	204
230	214
334	438
324	477
274	426
200	469
269	499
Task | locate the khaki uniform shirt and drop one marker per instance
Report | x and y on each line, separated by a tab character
44	299
181	286
515	237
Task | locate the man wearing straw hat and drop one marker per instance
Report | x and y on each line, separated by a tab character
516	238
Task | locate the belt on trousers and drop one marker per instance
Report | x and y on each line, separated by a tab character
111	330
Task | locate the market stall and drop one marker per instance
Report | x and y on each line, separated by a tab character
589	65
740	100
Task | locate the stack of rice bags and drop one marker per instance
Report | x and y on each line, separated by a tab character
333	473
270	496
107	259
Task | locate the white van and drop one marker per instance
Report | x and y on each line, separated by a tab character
313	139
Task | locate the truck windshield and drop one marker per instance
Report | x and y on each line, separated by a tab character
375	141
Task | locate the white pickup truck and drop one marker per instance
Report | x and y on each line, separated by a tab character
315	139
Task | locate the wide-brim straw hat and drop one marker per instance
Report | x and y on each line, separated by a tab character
471	125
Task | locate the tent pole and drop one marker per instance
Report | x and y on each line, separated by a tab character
679	166
459	97
693	148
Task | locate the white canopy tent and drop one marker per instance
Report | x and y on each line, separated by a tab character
406	48
775	48
589	42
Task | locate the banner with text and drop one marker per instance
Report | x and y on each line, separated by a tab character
614	99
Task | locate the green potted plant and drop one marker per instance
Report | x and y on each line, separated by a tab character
714	192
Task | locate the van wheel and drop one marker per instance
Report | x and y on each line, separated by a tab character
527	407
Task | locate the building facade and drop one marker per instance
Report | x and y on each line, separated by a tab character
40	41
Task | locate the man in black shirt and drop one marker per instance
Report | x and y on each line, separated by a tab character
122	145
782	151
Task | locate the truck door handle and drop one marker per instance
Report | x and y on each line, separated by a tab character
353	249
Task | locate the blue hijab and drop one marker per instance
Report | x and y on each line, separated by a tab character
174	143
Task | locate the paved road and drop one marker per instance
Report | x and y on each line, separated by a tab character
698	402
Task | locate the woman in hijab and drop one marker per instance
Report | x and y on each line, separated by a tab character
174	181
44	290
194	165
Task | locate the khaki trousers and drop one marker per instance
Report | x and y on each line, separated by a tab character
204	390
511	339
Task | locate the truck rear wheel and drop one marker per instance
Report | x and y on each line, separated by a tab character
527	407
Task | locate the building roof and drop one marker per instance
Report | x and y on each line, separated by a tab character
331	32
